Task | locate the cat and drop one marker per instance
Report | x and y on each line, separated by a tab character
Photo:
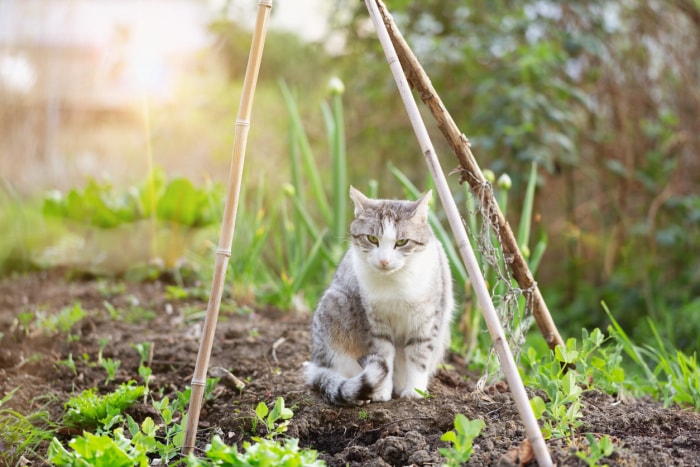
383	325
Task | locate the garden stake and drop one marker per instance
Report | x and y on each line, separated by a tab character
223	252
490	316
471	173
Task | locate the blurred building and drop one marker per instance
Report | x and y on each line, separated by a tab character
97	53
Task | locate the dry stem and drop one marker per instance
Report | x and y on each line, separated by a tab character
498	337
471	173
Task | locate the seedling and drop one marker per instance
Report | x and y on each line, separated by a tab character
111	366
597	450
276	420
462	439
69	362
424	394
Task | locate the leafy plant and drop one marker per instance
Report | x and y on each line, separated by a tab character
111	366
562	412
89	410
276	420
597	450
61	322
462	439
98	451
261	453
100	205
564	375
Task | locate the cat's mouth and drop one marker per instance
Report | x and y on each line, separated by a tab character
387	268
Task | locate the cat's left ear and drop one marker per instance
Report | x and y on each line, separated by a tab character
420	212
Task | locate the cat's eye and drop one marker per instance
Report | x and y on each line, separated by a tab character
373	240
401	242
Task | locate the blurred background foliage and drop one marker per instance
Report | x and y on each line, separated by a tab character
603	95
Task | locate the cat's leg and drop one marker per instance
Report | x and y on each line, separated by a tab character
419	350
382	345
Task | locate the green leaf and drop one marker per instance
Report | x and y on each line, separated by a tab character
261	411
538	406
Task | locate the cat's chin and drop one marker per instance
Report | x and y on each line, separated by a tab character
386	270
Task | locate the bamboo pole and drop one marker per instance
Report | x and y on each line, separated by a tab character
490	316
223	252
471	173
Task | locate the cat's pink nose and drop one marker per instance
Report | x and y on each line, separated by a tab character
383	262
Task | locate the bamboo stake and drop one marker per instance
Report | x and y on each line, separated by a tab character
490	316
223	252
471	173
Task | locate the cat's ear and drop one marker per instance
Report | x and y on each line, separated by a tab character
361	201
420	212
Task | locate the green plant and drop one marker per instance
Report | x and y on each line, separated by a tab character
424	394
69	362
89	410
111	367
562	412
666	373
597	450
119	439
261	453
97	451
61	322
462	439
21	435
275	420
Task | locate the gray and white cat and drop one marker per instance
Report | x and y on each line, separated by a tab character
383	325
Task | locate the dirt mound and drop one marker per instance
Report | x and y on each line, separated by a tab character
267	349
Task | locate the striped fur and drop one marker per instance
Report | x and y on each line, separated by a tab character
339	390
382	327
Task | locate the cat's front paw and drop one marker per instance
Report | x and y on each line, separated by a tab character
382	394
413	393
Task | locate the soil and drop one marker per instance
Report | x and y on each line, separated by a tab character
267	349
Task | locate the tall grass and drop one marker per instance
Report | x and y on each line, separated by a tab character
662	371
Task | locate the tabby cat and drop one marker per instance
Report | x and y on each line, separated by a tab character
383	325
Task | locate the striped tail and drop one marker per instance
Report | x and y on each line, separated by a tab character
339	390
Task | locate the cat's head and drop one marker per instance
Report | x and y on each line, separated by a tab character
386	233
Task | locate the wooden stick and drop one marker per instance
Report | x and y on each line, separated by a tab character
490	316
471	173
223	253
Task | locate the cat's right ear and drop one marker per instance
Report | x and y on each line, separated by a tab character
360	200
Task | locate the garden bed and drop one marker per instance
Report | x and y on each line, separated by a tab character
266	348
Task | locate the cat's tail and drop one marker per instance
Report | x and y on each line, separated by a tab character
338	390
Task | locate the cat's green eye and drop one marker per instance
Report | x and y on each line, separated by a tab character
373	240
401	242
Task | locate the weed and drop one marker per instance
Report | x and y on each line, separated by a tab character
20	436
597	450
462	439
675	377
362	415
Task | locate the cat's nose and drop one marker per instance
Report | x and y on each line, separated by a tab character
383	262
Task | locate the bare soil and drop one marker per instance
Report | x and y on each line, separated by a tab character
399	432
